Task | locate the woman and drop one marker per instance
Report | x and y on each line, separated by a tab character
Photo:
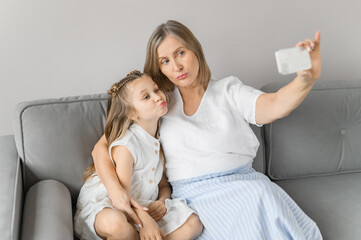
209	146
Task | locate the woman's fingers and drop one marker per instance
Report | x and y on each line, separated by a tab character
309	44
132	216
318	37
137	205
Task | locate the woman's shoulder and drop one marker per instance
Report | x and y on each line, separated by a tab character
225	84
226	81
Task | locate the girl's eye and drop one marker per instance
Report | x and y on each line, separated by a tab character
146	97
180	53
156	90
164	62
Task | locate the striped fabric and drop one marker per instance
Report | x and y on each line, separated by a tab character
244	204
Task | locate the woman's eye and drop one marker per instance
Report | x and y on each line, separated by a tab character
156	90
146	97
164	62
180	53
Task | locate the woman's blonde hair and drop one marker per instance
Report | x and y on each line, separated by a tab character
178	30
118	110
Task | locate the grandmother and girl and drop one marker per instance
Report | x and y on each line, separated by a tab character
175	160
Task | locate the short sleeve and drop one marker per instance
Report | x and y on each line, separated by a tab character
128	142
244	99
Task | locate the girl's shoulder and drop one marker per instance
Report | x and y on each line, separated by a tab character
129	141
126	139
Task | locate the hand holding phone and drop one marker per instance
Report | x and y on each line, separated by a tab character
291	60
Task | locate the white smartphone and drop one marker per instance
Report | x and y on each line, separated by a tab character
291	60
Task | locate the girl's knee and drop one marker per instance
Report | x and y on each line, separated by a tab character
110	223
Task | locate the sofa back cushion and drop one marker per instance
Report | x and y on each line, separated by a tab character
55	137
321	137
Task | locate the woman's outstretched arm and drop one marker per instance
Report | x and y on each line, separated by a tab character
273	106
107	174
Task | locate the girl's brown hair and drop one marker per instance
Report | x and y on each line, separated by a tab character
181	32
118	110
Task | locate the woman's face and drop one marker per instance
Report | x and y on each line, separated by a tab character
178	63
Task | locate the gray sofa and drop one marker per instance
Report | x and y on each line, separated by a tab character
314	154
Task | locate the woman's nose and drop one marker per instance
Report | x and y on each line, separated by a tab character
177	66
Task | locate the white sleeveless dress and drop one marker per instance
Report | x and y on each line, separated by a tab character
147	173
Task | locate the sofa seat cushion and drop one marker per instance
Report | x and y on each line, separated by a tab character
333	202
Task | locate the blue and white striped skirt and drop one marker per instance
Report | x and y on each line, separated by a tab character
244	204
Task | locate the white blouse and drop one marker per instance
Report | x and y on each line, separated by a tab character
216	137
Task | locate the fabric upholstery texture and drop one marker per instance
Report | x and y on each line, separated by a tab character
321	137
55	138
333	202
47	207
11	191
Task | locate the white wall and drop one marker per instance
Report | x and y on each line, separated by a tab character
56	48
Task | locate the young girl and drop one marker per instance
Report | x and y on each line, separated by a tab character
135	105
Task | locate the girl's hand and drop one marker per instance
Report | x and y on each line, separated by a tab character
150	231
157	210
313	46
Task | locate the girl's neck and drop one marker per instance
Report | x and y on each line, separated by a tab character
149	126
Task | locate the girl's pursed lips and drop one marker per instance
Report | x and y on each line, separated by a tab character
163	104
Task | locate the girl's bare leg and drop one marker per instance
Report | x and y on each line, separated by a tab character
191	229
112	224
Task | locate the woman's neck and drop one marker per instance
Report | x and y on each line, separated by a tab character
192	98
191	93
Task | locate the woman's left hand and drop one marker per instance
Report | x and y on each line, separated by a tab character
313	46
157	210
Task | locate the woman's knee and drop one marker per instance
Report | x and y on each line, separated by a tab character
192	227
111	223
195	223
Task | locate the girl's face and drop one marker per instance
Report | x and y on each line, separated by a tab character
148	101
178	63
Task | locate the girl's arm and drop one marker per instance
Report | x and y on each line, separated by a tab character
157	208
164	189
124	162
106	172
273	106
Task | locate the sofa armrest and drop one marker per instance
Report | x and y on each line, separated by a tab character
47	212
11	189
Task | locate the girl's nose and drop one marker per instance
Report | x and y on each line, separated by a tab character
156	97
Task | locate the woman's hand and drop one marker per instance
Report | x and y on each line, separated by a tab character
107	174
313	46
157	210
150	230
125	203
